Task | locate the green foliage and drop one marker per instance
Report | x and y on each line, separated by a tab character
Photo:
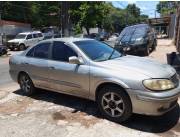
86	14
77	29
167	7
37	13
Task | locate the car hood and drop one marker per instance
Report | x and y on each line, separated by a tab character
15	40
143	65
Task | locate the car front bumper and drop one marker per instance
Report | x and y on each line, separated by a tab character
13	45
153	103
132	50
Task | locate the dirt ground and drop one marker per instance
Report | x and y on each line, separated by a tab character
50	114
165	46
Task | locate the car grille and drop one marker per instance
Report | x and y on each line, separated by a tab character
175	80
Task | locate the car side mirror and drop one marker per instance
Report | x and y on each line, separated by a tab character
75	60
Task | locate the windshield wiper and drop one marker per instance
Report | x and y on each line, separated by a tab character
114	48
111	53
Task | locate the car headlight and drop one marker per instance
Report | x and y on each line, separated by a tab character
158	84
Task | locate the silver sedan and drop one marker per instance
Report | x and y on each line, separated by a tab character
120	84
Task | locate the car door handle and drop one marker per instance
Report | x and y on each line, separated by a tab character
51	67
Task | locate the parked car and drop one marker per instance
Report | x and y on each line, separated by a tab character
113	37
137	39
3	50
104	36
120	84
51	32
25	39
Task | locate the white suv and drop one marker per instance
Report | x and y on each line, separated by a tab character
25	39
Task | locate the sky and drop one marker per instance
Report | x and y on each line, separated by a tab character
146	7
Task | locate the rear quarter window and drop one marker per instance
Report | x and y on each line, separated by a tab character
40	35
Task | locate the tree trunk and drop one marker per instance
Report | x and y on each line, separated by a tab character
87	30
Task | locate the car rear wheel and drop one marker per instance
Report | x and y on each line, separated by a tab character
114	104
21	47
26	84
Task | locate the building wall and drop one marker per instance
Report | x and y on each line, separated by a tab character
9	29
13	29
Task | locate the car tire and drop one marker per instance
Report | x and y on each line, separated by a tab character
146	51
21	47
26	84
114	103
11	49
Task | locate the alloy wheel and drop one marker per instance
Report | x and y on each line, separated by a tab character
113	104
25	84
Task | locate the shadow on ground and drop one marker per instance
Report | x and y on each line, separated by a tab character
139	122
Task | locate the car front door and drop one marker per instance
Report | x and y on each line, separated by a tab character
65	77
36	64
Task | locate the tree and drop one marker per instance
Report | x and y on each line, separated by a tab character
167	7
88	14
37	13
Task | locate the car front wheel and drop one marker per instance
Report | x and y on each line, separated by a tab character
114	104
21	47
26	84
146	51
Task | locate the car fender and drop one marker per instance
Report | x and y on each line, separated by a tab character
93	89
22	43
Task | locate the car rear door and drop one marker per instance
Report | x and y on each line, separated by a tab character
35	38
40	36
29	40
65	77
36	64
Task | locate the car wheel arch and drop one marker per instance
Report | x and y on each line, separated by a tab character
100	86
21	44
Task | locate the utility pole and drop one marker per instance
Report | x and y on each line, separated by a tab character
61	17
65	18
126	17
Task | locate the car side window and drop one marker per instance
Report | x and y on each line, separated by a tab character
30	52
29	36
35	35
62	52
40	35
42	50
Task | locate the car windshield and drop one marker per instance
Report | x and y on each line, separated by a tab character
20	36
97	51
130	34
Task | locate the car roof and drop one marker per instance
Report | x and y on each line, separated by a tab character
138	25
30	32
67	39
